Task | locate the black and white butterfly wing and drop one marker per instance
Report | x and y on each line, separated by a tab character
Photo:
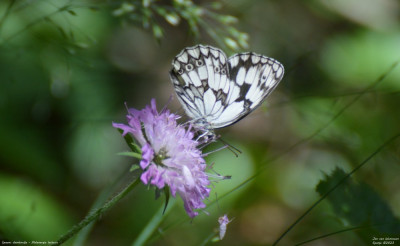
252	78
216	92
200	79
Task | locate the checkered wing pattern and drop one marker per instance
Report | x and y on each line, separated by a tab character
217	92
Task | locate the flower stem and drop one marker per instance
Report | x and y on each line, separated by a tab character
97	213
152	224
104	196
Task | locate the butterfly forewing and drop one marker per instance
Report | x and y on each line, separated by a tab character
198	74
215	91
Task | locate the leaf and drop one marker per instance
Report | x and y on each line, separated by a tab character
166	191
128	139
146	3
231	43
135	148
81	45
61	30
72	12
172	18
227	19
131	154
25	209
146	18
157	31
134	167
216	5
157	193
359	205
124	9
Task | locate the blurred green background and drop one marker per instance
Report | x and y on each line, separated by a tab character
67	67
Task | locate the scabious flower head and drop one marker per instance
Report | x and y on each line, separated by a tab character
169	155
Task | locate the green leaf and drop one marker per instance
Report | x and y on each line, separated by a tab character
129	141
146	3
124	9
131	154
157	193
157	31
61	30
135	148
146	18
231	43
227	19
134	167
72	12
243	40
172	18
25	209
216	5
81	45
166	191
359	205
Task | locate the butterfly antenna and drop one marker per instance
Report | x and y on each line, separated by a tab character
216	150
203	145
233	149
218	176
171	97
126	106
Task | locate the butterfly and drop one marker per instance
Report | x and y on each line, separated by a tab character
216	91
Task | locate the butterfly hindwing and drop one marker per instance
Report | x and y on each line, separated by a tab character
216	92
253	77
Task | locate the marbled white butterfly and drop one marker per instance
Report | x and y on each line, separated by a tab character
217	92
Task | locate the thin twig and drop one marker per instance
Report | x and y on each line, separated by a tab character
97	213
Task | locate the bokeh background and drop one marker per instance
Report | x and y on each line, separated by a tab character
67	67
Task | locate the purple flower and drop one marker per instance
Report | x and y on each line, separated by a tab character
169	155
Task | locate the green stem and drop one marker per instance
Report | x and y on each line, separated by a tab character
103	197
97	213
152	224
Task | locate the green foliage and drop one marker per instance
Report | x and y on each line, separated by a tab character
196	17
28	213
362	56
358	205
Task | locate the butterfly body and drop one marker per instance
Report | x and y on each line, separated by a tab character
216	91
